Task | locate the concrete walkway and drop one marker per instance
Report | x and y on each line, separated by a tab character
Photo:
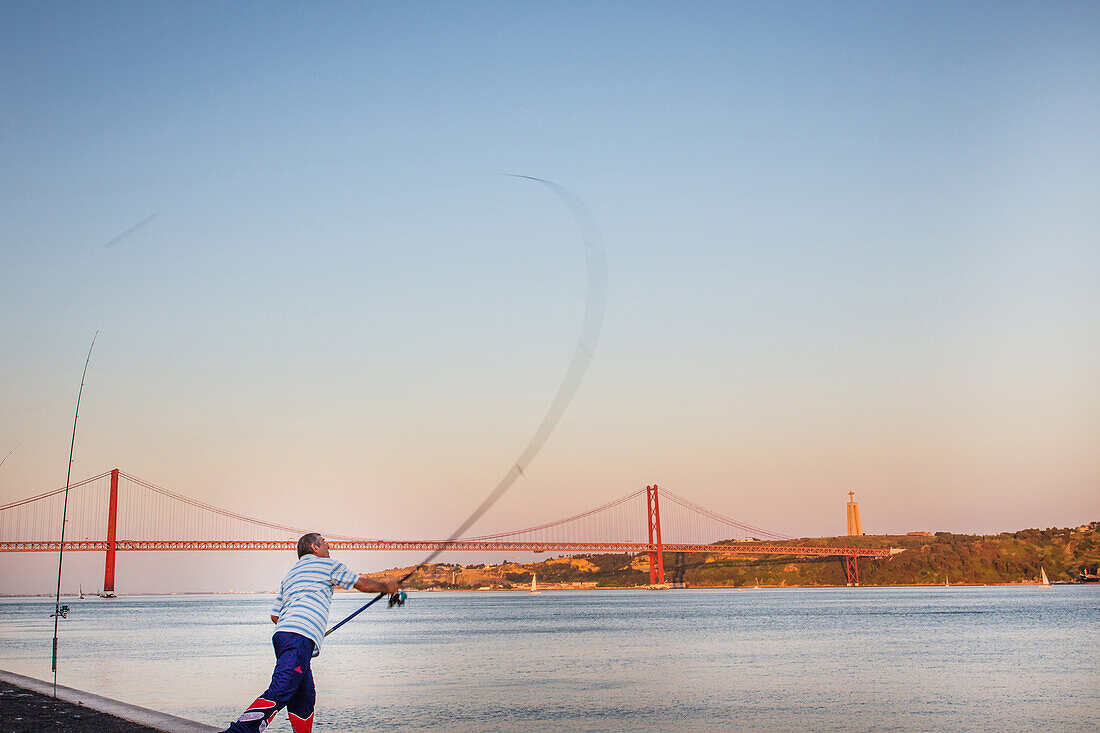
142	716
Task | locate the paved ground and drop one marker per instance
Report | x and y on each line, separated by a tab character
23	711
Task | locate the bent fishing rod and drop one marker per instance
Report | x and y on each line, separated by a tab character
57	614
9	453
590	330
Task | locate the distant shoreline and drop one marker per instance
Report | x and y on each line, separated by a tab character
570	590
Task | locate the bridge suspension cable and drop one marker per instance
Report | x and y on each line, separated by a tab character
755	532
53	492
560	522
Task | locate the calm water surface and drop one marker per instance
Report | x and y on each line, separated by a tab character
1013	659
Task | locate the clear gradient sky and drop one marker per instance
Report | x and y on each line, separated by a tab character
850	246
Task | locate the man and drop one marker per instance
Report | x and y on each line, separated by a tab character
300	614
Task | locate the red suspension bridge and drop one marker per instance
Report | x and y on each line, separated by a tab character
116	512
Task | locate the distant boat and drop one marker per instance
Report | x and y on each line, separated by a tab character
1043	579
534	586
757	586
946	582
82	593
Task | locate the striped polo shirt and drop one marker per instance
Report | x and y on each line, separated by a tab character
305	596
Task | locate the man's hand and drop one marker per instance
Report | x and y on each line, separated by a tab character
367	585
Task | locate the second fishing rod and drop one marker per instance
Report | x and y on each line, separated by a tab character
595	300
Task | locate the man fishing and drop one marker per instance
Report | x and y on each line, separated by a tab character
300	615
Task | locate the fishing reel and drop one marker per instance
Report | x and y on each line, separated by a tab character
398	598
62	611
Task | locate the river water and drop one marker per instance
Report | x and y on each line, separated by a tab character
919	659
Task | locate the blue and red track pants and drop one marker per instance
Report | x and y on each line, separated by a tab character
291	687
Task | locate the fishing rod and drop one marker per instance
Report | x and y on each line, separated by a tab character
9	453
590	330
57	614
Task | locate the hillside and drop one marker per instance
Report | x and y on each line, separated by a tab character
1011	557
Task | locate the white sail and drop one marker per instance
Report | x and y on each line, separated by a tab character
1043	579
534	586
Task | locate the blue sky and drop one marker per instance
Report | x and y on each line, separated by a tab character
849	246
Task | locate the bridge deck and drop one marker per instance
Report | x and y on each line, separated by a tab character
744	548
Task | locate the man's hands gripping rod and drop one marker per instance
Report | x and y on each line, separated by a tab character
366	585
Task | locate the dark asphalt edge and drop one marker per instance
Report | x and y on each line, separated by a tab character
133	713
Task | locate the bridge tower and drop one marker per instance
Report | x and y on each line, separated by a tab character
112	522
656	557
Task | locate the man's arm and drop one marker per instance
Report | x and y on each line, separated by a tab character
277	607
366	585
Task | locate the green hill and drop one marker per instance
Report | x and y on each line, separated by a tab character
1011	557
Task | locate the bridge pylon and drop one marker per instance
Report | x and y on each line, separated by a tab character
851	569
112	525
656	557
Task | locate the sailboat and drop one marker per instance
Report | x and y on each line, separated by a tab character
757	586
82	593
534	586
1043	579
946	582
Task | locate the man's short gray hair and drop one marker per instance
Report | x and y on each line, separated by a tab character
306	543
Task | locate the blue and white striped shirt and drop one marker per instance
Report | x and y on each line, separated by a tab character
305	596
